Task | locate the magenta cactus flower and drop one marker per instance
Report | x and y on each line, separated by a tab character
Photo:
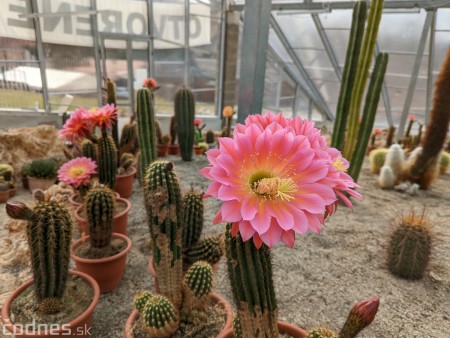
77	172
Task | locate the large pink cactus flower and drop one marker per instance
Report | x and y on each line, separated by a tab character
103	116
76	128
77	172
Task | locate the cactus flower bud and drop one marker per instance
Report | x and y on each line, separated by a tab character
18	210
361	315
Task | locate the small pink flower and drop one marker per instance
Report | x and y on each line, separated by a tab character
103	116
197	122
77	126
150	83
77	172
412	117
377	131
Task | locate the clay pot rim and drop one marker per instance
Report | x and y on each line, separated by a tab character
228	326
101	260
132	172
229	333
120	199
72	324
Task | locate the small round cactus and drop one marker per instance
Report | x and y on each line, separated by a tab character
198	284
141	299
410	246
209	249
321	332
444	161
159	317
377	158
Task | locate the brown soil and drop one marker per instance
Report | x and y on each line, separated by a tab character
76	300
86	251
205	325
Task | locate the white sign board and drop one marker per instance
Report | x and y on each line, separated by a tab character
62	26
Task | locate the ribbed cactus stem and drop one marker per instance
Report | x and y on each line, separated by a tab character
197	285
209	249
185	114
128	138
348	76
159	317
111	99
362	72
49	235
146	129
173	130
250	272
107	160
193	218
99	204
89	149
141	299
370	111
165	214
390	136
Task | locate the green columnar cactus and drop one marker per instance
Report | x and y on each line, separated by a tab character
107	160
362	72
99	204
158	132
369	112
377	158
410	247
250	272
88	149
111	99
128	139
165	214
193	218
159	317
185	114
141	299
348	76
49	235
390	136
173	130
146	129
197	285
209	249
322	332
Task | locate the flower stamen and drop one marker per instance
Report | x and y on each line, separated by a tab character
339	164
275	187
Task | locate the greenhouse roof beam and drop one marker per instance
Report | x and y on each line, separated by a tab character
327	44
415	73
318	99
321	6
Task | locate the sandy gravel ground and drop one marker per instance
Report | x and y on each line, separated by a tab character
317	282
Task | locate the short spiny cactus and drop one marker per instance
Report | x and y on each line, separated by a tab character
89	150
209	249
322	332
159	318
6	171
99	204
410	246
107	160
185	114
141	299
126	161
128	139
193	218
49	235
197	285
444	162
377	158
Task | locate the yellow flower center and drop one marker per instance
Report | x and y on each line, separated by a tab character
339	164
274	187
76	171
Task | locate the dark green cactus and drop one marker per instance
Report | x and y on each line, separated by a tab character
88	149
410	247
185	114
107	160
210	137
209	249
165	214
49	235
159	317
99	204
173	130
146	129
141	299
111	99
43	168
322	332
250	273
128	139
193	218
197	285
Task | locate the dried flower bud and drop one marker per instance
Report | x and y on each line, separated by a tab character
361	315
18	210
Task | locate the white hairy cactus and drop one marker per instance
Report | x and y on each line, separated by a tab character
386	179
395	159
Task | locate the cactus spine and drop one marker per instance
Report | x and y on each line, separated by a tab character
197	285
107	160
146	129
99	204
49	235
193	218
209	249
164	210
88	149
185	114
250	273
159	317
410	246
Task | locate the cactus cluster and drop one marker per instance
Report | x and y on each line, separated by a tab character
392	169
43	168
377	157
49	235
197	285
209	249
410	246
185	114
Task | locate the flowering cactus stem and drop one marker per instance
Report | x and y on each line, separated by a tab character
250	272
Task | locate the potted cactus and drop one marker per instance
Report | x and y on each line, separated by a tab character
4	191
54	291
164	145
102	254
25	173
125	175
182	293
7	176
42	174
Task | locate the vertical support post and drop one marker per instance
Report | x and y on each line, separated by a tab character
221	69
95	37
295	102
186	41
130	73
415	73
41	55
310	110
151	52
279	88
430	67
253	57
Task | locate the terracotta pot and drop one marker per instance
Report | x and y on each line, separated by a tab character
284	328
4	196
214	297
74	200
79	327
124	183
173	149
120	221
108	271
198	150
40	183
25	182
12	192
162	149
